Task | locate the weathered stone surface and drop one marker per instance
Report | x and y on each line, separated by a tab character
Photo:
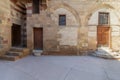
81	25
68	36
79	35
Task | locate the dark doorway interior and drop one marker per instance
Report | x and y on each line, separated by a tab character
38	38
16	35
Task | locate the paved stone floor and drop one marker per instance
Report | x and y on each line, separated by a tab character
60	68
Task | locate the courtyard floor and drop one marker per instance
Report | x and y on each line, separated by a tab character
60	68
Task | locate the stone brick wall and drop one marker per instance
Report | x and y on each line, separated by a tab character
18	16
80	33
9	13
5	25
76	38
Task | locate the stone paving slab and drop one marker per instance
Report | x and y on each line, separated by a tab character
60	68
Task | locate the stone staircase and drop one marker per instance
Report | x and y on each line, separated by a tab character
15	53
105	52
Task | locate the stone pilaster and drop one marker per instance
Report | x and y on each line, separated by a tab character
83	37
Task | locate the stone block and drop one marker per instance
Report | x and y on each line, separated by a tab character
50	45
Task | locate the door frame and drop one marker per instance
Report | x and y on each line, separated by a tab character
110	37
34	37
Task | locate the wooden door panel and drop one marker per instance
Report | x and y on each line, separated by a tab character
38	38
103	35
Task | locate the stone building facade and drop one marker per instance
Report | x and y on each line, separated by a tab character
63	27
12	13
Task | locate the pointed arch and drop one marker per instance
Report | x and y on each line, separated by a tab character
97	7
67	7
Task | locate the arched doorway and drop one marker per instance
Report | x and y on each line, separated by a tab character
104	23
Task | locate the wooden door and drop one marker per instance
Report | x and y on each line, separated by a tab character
38	38
103	36
16	35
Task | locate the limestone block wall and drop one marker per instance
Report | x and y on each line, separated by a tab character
68	34
80	33
42	20
68	40
18	16
5	25
115	41
76	23
9	13
92	37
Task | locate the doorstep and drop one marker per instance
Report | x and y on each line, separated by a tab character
37	52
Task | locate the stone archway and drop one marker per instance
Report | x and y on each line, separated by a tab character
67	7
72	43
95	8
93	27
18	8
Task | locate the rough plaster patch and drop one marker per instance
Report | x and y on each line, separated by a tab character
115	33
115	28
92	28
68	36
92	34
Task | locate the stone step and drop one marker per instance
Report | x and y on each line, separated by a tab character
10	58
116	57
112	53
106	53
37	52
25	51
16	49
13	53
104	49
